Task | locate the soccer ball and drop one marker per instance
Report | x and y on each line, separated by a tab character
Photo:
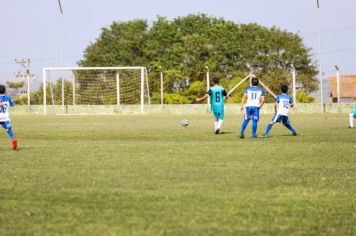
184	122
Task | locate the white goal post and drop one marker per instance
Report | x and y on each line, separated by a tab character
78	87
249	77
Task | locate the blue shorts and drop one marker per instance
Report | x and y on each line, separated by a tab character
252	113
6	124
219	114
280	118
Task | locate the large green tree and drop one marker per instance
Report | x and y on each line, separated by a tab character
184	46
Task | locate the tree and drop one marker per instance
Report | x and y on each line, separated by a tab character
54	93
15	92
16	86
184	46
121	43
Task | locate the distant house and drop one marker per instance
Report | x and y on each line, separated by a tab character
347	88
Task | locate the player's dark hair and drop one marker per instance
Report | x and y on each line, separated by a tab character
215	80
284	88
255	81
2	89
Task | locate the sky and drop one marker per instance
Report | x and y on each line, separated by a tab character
32	29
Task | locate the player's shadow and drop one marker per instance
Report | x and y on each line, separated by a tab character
225	132
285	135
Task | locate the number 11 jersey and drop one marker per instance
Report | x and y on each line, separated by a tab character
254	94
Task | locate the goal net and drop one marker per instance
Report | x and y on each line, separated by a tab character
96	90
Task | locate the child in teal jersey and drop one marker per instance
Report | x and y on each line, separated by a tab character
217	94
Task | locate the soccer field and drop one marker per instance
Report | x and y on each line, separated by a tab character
148	175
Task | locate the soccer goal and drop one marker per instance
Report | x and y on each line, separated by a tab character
95	90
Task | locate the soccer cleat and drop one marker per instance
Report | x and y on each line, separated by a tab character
14	144
242	136
294	134
265	136
254	136
217	131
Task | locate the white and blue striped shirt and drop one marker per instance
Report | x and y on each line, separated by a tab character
254	94
284	101
4	111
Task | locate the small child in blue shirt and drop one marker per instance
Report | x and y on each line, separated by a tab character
5	103
283	102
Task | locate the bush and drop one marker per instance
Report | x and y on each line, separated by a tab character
303	97
156	98
20	100
175	98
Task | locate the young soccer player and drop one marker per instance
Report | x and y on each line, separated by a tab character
5	103
283	102
254	97
217	94
352	116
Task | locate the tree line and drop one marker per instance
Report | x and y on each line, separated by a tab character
183	47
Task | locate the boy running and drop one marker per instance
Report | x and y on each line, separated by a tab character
217	94
283	102
5	103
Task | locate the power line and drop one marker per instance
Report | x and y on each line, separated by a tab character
339	50
43	59
331	30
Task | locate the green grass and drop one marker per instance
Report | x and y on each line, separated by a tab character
147	175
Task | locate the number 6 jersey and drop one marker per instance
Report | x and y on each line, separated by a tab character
217	94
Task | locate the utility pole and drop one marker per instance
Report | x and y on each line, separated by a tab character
319	48
294	85
337	84
26	64
161	78
207	82
62	50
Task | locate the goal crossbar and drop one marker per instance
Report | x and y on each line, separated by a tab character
95	68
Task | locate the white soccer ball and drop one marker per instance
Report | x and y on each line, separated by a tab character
184	122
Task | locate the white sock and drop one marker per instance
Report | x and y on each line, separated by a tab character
351	120
220	123
215	125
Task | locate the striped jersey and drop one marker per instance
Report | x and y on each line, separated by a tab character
4	109
254	94
284	101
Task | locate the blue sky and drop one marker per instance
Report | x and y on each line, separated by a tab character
31	29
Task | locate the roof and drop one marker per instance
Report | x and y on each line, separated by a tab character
347	86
